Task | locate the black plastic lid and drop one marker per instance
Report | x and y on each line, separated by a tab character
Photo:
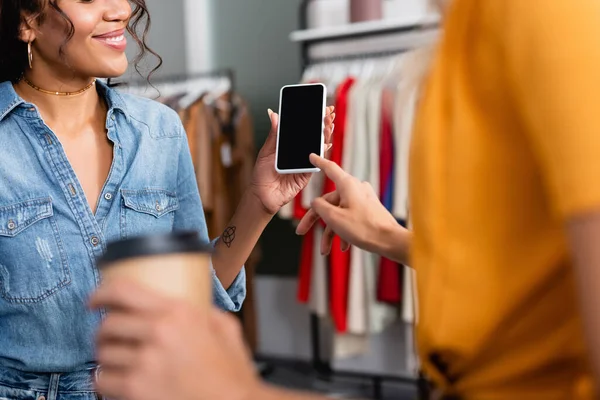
154	245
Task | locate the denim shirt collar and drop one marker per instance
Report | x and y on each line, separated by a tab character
9	99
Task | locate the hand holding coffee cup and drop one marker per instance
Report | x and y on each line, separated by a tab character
174	266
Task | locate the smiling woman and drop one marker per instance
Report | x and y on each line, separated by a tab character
88	165
49	30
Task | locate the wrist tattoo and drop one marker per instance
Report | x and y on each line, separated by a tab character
229	236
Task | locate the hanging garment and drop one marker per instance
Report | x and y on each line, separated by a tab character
389	285
319	291
299	210
219	217
310	250
408	296
381	315
200	146
353	110
404	112
354	341
339	260
356	163
305	268
341	106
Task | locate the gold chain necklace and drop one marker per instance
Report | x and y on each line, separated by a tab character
60	93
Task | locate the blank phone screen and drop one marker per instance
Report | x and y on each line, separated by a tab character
300	126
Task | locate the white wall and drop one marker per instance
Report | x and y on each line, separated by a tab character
199	35
167	37
252	37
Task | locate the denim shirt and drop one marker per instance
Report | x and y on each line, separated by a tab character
50	238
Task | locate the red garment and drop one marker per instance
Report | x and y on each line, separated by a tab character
389	286
306	253
339	261
306	259
341	110
299	210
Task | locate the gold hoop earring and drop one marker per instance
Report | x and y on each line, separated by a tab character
29	55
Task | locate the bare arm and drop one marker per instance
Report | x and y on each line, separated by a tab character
394	243
584	234
240	237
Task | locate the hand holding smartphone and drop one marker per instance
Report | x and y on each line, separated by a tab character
301	124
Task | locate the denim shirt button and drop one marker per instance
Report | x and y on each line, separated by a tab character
158	207
108	196
12	225
95	241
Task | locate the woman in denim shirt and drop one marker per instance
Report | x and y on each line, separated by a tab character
83	165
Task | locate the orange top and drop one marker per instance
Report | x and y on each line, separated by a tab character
506	150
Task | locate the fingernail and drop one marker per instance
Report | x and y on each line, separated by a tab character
270	112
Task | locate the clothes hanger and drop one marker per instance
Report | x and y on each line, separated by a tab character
394	76
368	69
336	73
355	68
211	90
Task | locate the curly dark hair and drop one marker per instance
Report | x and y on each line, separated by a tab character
13	51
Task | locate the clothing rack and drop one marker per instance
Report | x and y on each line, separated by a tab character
172	78
226	73
362	39
398	38
357	57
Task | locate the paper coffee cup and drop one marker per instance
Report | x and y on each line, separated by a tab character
175	265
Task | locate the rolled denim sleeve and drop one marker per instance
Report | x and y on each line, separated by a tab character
233	298
190	217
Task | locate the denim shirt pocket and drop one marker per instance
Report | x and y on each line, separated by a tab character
147	211
33	261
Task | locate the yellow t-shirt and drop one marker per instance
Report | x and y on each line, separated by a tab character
506	150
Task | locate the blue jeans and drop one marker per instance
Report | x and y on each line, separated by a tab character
17	385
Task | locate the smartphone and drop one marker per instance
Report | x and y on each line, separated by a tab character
301	123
